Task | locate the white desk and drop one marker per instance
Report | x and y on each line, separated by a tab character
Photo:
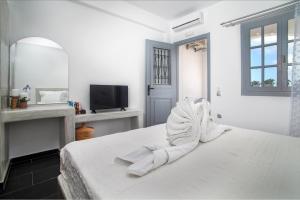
63	111
134	115
67	133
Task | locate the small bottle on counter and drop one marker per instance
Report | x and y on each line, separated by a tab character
15	96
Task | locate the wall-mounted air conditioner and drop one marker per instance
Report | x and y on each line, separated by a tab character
188	23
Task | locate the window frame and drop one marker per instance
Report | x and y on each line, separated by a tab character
282	88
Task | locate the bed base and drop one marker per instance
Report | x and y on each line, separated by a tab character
64	187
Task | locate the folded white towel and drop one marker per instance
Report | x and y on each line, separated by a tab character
187	124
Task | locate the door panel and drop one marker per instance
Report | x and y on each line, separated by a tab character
161	81
160	109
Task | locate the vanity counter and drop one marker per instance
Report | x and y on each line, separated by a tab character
36	112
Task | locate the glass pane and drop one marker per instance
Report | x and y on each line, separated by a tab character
255	37
290	52
256	77
270	32
161	67
255	57
270	79
271	55
290	75
291	29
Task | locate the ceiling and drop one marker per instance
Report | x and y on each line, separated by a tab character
171	9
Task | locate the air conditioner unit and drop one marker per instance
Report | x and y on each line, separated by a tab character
189	23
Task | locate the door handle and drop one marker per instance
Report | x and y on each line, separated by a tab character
150	88
283	59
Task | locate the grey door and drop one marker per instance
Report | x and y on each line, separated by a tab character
161	81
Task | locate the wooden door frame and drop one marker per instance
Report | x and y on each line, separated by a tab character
177	44
185	41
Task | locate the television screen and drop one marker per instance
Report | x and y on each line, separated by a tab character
108	97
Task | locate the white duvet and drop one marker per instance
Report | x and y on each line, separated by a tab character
240	164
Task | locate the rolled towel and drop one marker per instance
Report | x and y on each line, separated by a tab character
183	123
187	124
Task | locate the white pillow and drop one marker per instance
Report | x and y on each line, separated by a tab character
53	97
64	96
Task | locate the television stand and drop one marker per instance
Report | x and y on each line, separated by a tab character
135	116
94	111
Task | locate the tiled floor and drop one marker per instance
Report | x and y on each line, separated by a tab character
34	178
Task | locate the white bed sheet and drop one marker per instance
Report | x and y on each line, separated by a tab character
240	164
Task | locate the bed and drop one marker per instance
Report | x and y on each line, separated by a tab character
241	163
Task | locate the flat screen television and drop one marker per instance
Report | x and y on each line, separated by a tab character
108	97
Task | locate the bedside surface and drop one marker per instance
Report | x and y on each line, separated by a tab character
107	116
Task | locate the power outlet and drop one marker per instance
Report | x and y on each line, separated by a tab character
219	92
219	116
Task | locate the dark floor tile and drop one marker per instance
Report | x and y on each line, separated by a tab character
34	177
34	156
42	163
57	195
37	164
45	174
44	156
20	169
19	182
7	196
38	191
20	162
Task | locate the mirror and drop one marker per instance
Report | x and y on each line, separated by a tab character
39	70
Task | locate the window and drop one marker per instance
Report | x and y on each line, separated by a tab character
267	55
161	66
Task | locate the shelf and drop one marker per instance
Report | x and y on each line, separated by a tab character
107	116
36	112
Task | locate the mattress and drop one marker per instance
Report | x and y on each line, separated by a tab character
241	163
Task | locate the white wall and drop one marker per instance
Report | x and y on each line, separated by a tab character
33	136
39	67
192	73
4	48
254	112
103	48
129	12
4	68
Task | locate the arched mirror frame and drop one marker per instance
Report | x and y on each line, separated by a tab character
11	64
